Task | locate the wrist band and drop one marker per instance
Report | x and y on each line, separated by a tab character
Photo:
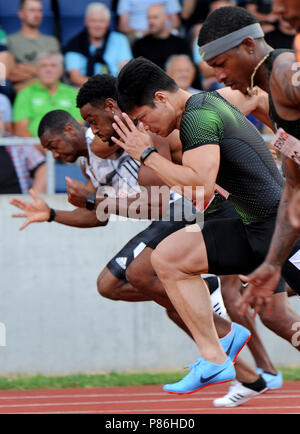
52	215
146	153
91	201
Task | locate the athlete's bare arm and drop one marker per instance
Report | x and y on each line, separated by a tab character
294	210
285	90
285	86
264	279
175	147
199	168
147	177
257	104
103	149
145	205
38	211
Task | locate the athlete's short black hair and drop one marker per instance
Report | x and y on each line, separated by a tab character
96	90
138	81
55	121
223	21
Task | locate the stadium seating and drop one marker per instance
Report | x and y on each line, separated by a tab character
10	22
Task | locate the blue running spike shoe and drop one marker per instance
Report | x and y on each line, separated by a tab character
273	381
202	374
235	341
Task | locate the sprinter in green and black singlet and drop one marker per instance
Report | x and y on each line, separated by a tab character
247	169
219	146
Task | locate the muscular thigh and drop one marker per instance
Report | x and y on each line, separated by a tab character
185	250
141	266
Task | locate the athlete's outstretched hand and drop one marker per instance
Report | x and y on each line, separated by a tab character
261	285
134	140
77	192
36	212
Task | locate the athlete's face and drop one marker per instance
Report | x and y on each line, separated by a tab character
100	119
289	10
234	68
160	118
64	145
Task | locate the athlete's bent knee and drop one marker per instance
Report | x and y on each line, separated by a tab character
161	265
105	287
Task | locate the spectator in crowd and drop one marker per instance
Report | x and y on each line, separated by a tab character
7	62
3	40
208	77
6	114
194	12
47	94
133	16
282	37
96	49
262	10
183	71
160	43
21	168
26	44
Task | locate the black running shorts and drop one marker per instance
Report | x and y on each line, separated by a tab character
234	248
121	261
224	211
172	222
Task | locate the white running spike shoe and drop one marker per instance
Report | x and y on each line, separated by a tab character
237	395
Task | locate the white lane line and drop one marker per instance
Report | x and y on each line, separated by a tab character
130	401
79	403
172	410
175	398
270	393
82	395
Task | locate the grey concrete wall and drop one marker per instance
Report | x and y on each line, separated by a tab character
56	323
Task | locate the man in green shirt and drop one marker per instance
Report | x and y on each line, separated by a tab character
47	94
3	40
28	43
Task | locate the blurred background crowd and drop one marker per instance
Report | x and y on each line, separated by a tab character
49	48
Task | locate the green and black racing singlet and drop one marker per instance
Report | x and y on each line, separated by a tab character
247	168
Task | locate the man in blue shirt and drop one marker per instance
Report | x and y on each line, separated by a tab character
133	15
96	49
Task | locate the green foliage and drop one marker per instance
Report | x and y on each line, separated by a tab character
108	380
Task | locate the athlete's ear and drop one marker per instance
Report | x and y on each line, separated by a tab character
111	106
249	45
69	129
160	97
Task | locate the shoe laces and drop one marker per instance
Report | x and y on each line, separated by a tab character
193	365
